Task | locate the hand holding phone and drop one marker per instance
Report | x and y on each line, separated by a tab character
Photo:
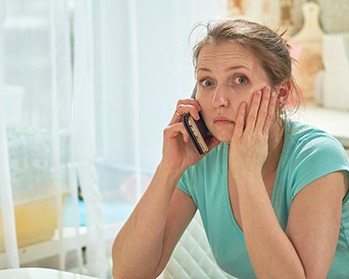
198	132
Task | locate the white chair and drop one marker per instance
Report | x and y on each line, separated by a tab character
192	257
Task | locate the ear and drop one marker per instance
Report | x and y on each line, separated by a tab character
284	92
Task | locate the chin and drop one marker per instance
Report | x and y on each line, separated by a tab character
224	138
223	134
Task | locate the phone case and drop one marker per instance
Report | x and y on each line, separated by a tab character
197	131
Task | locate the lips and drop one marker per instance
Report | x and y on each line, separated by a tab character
222	120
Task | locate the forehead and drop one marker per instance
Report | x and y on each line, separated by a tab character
226	53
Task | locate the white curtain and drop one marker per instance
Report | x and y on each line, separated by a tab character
84	135
36	169
144	67
8	229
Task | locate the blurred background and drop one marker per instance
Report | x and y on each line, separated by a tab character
86	89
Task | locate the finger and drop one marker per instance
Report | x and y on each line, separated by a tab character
183	107
180	112
263	112
177	117
182	104
253	112
271	113
240	120
175	130
186	108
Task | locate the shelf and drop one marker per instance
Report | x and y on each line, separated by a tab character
72	239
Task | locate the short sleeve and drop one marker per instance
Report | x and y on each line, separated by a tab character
316	158
183	183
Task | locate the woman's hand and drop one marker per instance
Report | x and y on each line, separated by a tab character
178	151
249	143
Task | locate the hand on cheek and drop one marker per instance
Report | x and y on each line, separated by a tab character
249	143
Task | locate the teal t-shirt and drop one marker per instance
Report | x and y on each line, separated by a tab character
308	153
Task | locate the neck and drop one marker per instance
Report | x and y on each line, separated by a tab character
275	145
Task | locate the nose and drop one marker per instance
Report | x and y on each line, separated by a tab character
220	97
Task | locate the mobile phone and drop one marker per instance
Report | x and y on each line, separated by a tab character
198	132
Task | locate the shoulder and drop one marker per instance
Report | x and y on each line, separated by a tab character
310	153
304	141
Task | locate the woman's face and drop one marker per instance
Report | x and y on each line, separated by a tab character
227	74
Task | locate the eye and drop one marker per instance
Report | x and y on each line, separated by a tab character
241	80
207	83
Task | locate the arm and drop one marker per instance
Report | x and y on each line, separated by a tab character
314	223
307	248
144	244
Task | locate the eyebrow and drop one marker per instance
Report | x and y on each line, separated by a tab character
230	68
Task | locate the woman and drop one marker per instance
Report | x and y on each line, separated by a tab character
272	192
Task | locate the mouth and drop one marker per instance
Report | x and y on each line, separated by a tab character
221	120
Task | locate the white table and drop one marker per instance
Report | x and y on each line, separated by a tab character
39	273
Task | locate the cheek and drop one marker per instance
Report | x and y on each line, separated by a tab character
205	103
248	101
